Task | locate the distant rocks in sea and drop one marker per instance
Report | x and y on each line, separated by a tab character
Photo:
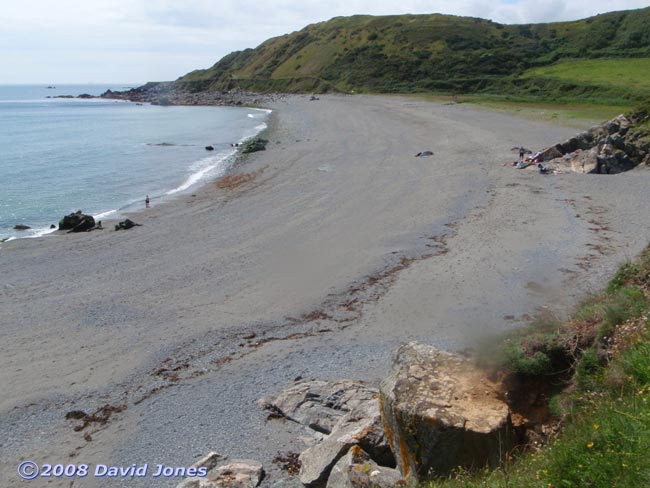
82	96
21	227
170	93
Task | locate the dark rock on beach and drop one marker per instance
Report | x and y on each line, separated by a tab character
21	227
254	145
77	222
126	225
209	148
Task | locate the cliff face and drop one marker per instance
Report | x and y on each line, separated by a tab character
427	52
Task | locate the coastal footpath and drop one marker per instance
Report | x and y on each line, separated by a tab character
315	259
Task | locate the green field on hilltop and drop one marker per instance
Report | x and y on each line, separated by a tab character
624	73
577	114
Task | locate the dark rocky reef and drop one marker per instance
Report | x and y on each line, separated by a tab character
171	93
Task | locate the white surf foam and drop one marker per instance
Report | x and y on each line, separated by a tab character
103	215
32	233
210	167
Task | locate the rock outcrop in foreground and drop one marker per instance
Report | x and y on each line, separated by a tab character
440	412
340	415
435	412
618	145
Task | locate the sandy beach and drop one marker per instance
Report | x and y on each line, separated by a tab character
336	246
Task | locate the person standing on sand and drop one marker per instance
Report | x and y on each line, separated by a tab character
146	202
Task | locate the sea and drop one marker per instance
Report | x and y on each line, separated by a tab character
60	155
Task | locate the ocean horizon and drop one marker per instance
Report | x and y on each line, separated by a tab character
102	156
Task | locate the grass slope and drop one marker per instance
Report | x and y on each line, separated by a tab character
414	53
626	76
605	405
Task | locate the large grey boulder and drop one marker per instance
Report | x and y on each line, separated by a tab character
357	470
441	412
578	161
338	414
361	427
320	405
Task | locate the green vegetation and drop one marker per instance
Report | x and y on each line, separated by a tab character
620	73
601	359
448	54
576	114
625	78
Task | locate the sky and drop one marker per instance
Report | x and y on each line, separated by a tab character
96	41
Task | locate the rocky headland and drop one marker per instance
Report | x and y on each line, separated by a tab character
170	93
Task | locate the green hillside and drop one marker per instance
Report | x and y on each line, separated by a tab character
442	53
623	74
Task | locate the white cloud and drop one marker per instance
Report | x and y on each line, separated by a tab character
139	40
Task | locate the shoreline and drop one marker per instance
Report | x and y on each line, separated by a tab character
339	247
230	161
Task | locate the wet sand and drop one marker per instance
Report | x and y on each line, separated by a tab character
338	246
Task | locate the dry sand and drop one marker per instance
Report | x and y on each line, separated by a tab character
338	247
